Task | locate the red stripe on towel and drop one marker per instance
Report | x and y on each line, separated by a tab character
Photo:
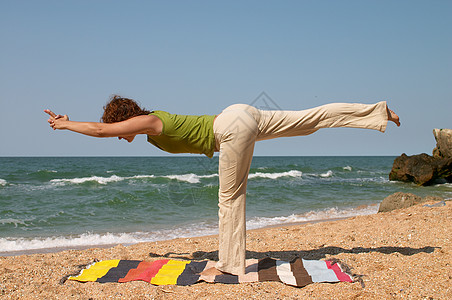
337	270
145	271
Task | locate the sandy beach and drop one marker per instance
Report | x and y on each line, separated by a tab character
403	254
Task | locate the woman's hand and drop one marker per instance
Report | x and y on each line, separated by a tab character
56	121
128	129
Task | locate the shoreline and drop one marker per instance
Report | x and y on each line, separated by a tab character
107	246
401	254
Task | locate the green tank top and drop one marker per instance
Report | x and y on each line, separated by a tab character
184	134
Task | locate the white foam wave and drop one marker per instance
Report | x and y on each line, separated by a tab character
16	222
3	182
348	168
291	173
140	177
47	171
11	244
312	216
23	244
327	174
190	178
98	179
193	178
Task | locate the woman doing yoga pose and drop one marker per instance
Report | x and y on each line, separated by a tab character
233	133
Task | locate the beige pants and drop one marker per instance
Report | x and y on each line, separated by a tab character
237	129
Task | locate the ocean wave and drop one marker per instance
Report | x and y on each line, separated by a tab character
312	216
3	182
46	171
190	178
16	222
327	174
24	244
348	168
98	179
193	178
291	173
14	244
140	177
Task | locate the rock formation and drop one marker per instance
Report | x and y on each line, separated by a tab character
398	200
443	139
424	169
404	200
421	169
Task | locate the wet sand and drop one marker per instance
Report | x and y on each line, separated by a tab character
403	254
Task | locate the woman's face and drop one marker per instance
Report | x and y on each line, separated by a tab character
128	138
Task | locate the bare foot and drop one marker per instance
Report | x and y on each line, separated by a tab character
212	272
392	116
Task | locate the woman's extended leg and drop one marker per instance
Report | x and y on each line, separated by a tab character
273	124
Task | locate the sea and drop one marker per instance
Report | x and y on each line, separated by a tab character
49	204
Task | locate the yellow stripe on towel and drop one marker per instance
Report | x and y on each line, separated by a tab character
169	273
96	270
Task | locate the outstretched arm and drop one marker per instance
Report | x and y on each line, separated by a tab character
145	124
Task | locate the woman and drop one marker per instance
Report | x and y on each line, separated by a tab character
233	133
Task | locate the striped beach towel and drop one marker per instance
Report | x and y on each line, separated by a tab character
298	272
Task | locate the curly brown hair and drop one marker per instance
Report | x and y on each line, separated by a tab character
120	109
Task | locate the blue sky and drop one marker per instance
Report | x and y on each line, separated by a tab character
198	57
